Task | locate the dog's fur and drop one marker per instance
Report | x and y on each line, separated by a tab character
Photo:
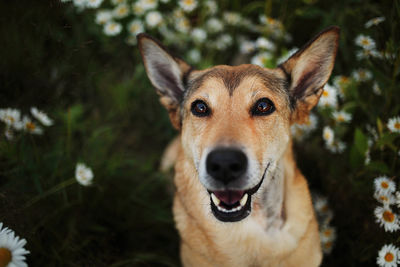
281	229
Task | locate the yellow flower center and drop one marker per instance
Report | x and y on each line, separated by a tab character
383	198
328	245
11	119
388	216
397	125
362	74
122	10
5	257
30	126
134	28
365	42
188	2
327	135
325	93
112	27
328	232
344	79
385	185
340	118
389	257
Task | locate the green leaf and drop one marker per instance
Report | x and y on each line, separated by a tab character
360	141
378	166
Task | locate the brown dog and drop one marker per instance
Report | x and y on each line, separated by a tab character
240	199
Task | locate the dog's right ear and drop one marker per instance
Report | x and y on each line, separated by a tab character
167	74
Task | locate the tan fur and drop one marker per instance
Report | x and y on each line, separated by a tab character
281	229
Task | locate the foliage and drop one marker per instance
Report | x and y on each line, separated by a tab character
93	86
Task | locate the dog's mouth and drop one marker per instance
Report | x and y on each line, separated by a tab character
233	205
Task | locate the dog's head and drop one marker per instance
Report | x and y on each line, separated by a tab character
235	120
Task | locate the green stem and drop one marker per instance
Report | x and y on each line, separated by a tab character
52	190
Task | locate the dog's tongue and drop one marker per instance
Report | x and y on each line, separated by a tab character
229	197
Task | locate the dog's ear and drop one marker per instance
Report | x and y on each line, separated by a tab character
308	70
167	74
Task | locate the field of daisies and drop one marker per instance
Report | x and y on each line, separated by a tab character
82	132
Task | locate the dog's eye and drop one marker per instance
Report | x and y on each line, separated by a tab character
263	106
200	109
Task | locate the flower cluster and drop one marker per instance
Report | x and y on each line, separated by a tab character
324	215
14	122
179	20
386	195
12	251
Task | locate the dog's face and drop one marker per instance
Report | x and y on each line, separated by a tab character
235	121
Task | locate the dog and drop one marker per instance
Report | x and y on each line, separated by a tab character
240	199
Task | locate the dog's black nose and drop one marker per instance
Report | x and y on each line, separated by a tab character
226	164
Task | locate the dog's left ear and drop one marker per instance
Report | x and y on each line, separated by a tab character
167	74
308	70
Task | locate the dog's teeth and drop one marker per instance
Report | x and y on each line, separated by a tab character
244	200
215	199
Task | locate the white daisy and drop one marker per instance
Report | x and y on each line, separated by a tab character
328	97
153	19
214	25
362	75
365	42
264	43
138	9
368	53
246	46
261	59
188	5
397	199
93	3
10	116
383	185
83	174
328	135
327	233
41	116
103	16
117	2
135	27
183	25
232	18
299	131
12	251
394	124
374	21
29	126
211	6
121	11
194	55
342	116
8	133
223	41
336	147
341	81
199	35
388	256
149	4
376	89
112	28
80	4
387	219
385	199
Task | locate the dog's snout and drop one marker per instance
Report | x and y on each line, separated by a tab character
226	164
